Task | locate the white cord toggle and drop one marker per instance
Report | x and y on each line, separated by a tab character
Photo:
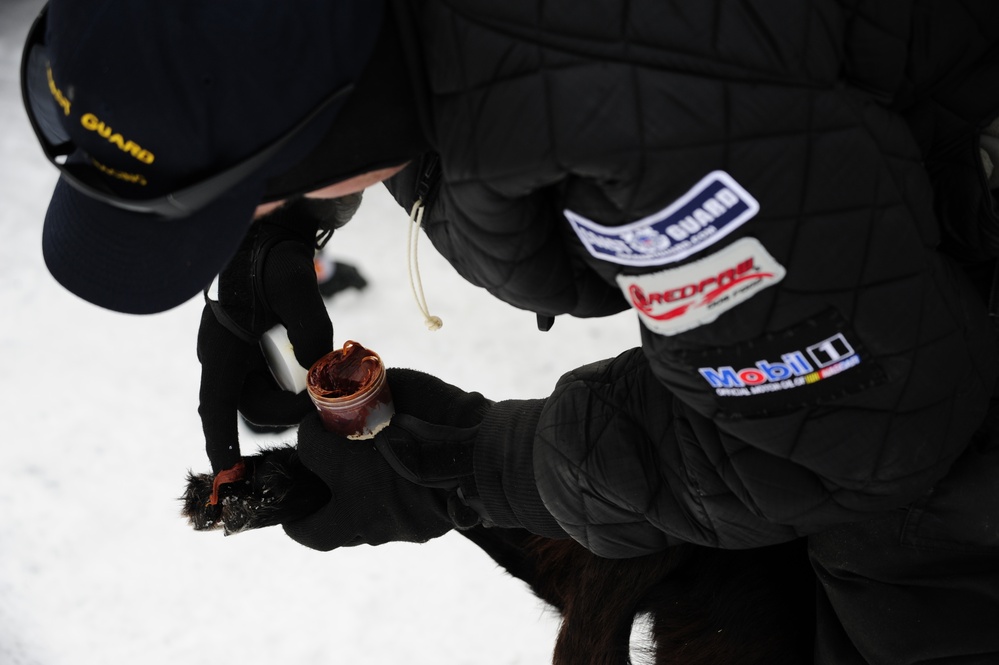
413	267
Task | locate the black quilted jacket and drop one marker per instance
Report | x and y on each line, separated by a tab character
767	184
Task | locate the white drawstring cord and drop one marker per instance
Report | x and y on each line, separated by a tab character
413	267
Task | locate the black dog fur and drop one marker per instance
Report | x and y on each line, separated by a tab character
704	606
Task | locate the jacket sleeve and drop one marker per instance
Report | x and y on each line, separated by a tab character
620	466
628	469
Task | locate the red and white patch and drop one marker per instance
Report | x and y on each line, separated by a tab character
681	299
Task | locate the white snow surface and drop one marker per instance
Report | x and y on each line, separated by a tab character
100	425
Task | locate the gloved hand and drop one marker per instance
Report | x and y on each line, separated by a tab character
270	280
421	475
412	482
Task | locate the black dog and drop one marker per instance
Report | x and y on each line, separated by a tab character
704	606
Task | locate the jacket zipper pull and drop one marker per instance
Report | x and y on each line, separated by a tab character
429	176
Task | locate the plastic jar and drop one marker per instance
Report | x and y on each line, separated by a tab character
350	390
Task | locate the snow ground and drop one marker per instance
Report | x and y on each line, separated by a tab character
100	426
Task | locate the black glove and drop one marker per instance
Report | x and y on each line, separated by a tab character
413	498
271	280
416	479
369	502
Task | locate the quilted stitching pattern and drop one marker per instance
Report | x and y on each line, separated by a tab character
616	111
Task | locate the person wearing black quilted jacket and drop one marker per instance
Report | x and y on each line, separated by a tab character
794	198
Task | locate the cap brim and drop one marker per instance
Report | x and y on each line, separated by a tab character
135	263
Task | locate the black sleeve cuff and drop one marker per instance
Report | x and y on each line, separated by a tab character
504	469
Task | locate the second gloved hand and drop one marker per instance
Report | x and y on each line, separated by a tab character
420	477
370	503
404	484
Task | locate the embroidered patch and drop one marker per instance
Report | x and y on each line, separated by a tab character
673	301
712	209
820	359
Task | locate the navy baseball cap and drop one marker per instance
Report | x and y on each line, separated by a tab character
167	118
